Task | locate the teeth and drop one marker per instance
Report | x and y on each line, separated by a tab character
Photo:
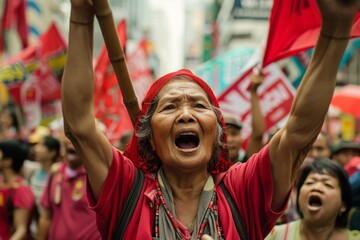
188	133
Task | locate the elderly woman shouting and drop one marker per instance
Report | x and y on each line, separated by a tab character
180	145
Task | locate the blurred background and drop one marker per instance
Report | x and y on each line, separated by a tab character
217	39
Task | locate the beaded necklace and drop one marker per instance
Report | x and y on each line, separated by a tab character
211	207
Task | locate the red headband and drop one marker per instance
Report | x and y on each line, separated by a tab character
132	151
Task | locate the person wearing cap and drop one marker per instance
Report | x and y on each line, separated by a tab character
38	135
233	137
234	126
343	151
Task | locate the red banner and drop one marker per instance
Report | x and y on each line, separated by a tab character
48	52
295	26
109	107
276	95
140	71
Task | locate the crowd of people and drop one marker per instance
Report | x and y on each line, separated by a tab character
181	174
43	188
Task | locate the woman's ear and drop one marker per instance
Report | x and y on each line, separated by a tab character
342	209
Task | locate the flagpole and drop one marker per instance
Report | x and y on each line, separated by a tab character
117	57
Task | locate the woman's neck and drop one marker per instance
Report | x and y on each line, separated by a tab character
186	190
309	231
46	165
186	185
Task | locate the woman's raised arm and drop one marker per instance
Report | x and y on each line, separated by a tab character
290	145
78	97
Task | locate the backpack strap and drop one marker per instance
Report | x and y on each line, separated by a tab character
235	212
129	205
10	205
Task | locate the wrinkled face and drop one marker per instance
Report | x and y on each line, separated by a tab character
184	126
320	199
233	137
42	153
320	148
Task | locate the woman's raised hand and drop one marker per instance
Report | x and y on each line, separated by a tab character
337	16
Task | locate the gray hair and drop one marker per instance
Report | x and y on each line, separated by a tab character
144	133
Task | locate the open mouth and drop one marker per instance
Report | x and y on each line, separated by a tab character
188	140
315	201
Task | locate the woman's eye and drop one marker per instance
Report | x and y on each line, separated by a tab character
329	185
169	107
199	105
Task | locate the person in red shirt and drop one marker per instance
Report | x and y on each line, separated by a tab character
179	144
65	212
16	199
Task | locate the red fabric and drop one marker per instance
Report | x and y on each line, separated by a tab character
249	184
347	99
47	49
22	198
102	61
49	43
108	101
71	218
352	166
14	12
295	26
132	151
139	70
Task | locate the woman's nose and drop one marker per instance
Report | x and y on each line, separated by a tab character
318	186
186	115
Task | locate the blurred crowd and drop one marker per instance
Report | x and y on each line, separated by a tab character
43	183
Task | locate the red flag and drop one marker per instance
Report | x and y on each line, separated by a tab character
49	43
14	12
49	49
139	68
294	27
102	64
50	86
109	107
